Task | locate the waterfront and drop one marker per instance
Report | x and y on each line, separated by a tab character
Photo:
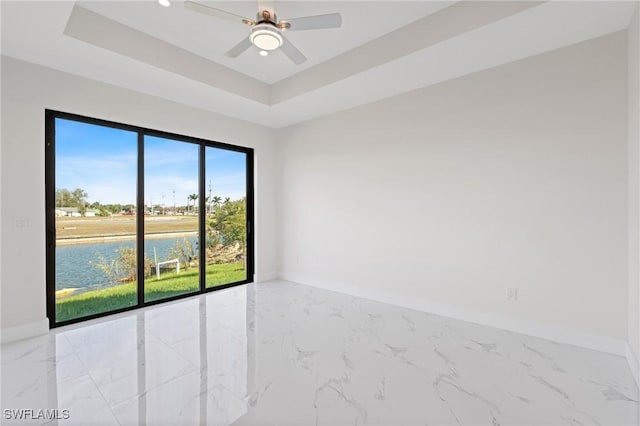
76	263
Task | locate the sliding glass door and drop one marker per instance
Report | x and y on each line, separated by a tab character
138	216
95	238
171	218
226	216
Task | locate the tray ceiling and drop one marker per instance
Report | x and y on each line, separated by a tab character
383	48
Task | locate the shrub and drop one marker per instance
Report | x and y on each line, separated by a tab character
123	268
185	253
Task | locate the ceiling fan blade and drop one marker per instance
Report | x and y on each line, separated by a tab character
292	52
317	22
216	13
239	48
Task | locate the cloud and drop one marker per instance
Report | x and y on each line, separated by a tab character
111	179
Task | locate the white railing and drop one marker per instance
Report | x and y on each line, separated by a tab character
166	262
176	261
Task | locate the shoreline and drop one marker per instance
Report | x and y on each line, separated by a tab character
126	237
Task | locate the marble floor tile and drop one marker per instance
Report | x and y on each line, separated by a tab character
280	353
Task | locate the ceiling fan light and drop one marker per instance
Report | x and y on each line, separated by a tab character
165	3
265	37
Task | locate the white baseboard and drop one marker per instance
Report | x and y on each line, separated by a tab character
266	276
634	364
532	328
24	331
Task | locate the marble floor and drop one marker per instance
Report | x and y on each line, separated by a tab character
280	353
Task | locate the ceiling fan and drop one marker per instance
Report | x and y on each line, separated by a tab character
267	32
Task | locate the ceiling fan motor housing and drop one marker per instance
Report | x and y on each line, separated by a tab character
265	16
266	36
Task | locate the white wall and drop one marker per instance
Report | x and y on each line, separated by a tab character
443	197
512	177
633	45
27	90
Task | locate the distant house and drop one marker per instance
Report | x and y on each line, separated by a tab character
68	211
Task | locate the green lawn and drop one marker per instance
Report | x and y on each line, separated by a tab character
124	295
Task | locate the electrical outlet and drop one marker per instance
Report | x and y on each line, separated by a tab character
22	223
512	294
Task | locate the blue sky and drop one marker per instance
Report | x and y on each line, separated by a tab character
103	161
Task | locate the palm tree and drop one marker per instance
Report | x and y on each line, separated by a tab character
216	201
193	197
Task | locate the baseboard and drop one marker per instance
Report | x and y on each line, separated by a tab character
267	276
24	331
634	364
532	328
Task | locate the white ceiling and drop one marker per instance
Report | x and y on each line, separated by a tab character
383	48
212	38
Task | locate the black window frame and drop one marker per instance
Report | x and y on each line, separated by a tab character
50	184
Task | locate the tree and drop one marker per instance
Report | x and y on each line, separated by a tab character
192	197
80	198
216	201
227	228
63	197
76	198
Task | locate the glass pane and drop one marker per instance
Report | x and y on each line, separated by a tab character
226	220
170	218
95	195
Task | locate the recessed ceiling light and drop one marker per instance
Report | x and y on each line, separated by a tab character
165	3
263	53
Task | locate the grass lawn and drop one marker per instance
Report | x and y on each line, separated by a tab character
124	295
74	227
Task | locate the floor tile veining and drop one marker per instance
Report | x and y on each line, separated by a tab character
284	353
